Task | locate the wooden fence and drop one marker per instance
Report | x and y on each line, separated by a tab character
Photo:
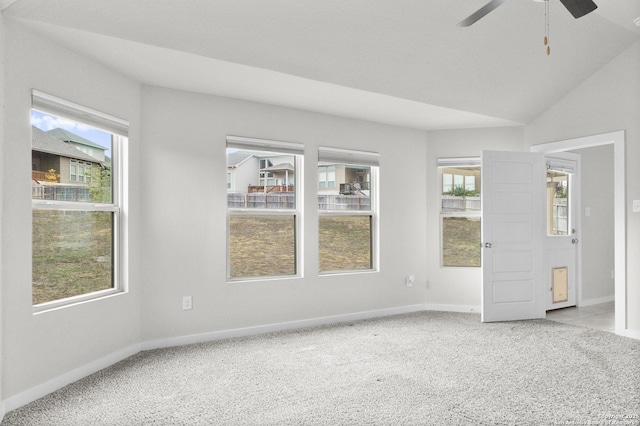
60	193
286	200
344	202
453	203
261	200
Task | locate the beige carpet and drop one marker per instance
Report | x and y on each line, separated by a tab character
428	368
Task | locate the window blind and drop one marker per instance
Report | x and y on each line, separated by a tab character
458	161
60	107
348	156
240	142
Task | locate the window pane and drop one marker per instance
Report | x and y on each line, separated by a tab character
72	253
261	245
345	243
557	203
461	241
261	182
58	146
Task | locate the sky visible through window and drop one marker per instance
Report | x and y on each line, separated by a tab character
46	122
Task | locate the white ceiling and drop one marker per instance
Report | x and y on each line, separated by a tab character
398	62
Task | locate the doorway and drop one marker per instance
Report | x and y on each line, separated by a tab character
617	139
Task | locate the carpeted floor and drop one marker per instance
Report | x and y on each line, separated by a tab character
430	368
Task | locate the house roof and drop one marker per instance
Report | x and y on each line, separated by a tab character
44	142
279	168
234	159
67	136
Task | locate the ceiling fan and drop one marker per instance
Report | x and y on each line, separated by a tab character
578	8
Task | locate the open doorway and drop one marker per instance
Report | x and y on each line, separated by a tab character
617	189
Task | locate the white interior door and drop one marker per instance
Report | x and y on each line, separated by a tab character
513	200
562	242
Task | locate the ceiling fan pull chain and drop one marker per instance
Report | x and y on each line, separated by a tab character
547	36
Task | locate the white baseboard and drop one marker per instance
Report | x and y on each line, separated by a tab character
283	326
453	308
59	382
597	301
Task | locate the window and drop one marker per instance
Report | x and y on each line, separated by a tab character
79	171
327	177
347	200
460	214
228	180
76	215
263	220
558	197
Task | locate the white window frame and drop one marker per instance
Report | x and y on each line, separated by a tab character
277	147
355	158
119	130
445	163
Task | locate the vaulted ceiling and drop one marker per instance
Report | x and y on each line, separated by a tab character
400	62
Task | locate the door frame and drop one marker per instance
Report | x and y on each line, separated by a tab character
617	139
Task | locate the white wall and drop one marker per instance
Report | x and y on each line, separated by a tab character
608	101
184	249
38	348
597	237
457	288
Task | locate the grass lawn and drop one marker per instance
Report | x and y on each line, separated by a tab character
461	241
265	245
71	253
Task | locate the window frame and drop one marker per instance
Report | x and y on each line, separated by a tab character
118	128
349	157
452	162
276	147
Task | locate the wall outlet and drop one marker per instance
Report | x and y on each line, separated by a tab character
410	280
636	206
187	303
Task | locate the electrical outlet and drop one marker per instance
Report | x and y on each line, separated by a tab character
187	303
636	206
410	280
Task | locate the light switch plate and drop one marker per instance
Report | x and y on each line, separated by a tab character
636	206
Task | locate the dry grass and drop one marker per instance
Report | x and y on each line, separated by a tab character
461	241
265	245
261	246
72	254
345	243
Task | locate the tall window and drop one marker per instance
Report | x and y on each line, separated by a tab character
76	204
460	214
263	217
557	203
347	200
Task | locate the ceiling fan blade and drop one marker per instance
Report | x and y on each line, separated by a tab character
579	8
480	13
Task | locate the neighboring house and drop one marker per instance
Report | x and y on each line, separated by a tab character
253	172
59	170
242	171
90	148
343	179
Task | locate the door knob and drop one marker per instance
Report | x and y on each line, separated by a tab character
487	245
574	241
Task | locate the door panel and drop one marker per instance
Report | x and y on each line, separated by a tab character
512	233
